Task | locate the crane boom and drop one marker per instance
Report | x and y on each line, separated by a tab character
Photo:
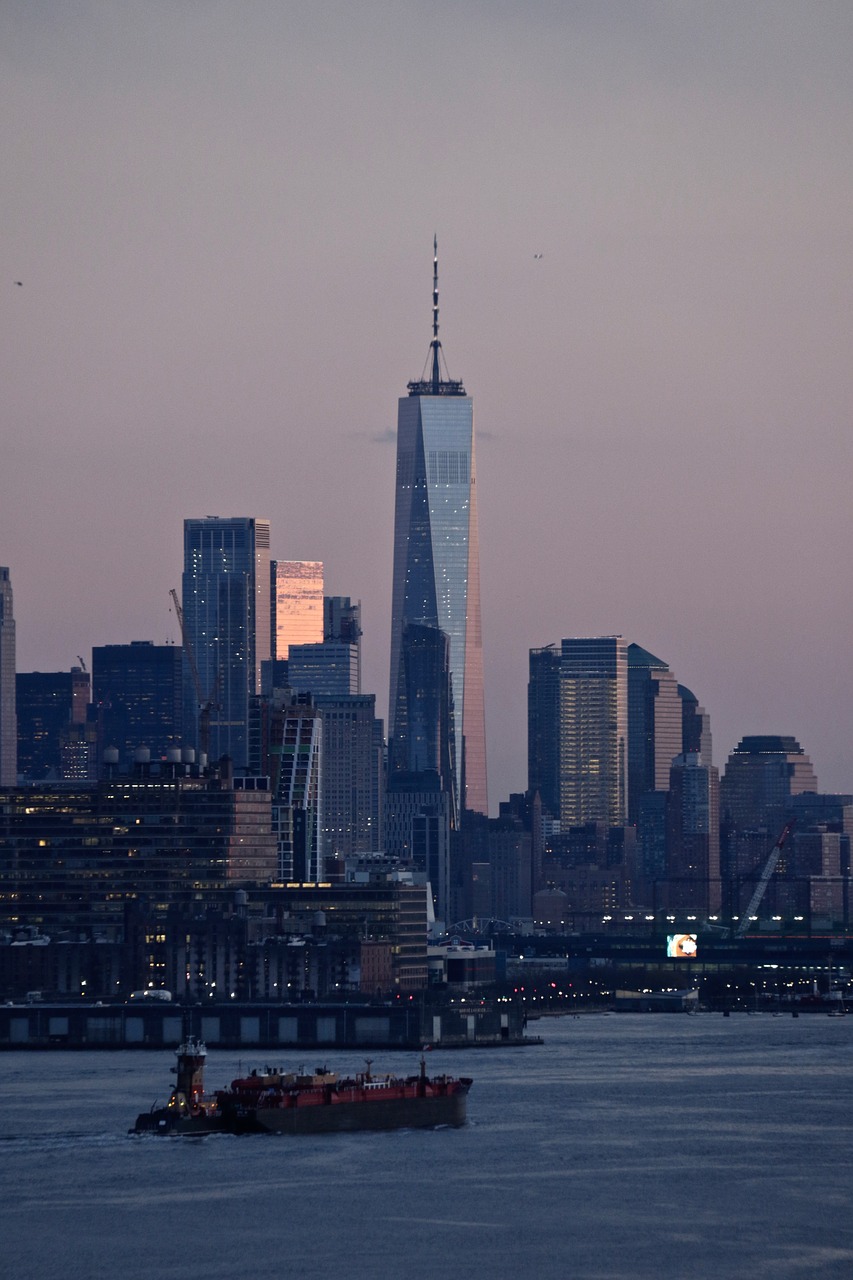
764	880
205	705
188	648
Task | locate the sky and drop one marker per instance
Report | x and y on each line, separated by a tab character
222	216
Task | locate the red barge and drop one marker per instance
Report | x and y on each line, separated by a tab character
274	1101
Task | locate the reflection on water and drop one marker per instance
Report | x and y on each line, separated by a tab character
633	1146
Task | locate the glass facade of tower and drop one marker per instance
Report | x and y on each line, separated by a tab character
594	732
436	566
543	727
226	607
654	725
296	740
762	773
352	792
693	835
329	669
8	719
296	604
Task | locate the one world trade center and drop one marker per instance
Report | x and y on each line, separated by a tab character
437	561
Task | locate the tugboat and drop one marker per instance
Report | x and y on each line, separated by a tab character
187	1111
273	1101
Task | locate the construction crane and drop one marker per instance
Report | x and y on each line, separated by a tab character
764	880
205	704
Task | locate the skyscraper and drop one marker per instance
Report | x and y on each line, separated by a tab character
351	776
695	725
693	835
424	739
436	554
594	731
296	745
226	608
296	604
342	625
8	719
762	773
330	669
654	725
543	728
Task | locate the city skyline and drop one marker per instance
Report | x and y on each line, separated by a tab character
220	225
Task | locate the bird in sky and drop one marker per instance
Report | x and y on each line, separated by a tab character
537	256
19	283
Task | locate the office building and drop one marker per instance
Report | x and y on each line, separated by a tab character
8	720
352	776
342	625
543	728
654	725
424	740
762	774
421	807
52	719
226	618
693	836
417	831
695	726
137	689
296	604
436	580
330	669
593	731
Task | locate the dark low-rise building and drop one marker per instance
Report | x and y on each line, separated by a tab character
73	855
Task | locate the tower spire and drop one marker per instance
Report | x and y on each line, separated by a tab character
434	384
436	345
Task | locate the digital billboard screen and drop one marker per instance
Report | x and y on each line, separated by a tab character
682	946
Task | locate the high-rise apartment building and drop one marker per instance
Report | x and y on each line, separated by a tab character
291	738
296	604
226	609
8	719
593	731
436	554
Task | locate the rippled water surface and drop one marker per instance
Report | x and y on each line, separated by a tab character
630	1145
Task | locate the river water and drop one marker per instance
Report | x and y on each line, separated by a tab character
627	1145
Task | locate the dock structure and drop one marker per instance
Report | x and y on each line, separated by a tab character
160	1024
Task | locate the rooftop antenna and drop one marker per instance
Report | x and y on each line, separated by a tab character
435	385
436	345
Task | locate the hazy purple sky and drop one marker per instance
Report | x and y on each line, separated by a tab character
223	214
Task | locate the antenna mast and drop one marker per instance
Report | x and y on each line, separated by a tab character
436	345
435	385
